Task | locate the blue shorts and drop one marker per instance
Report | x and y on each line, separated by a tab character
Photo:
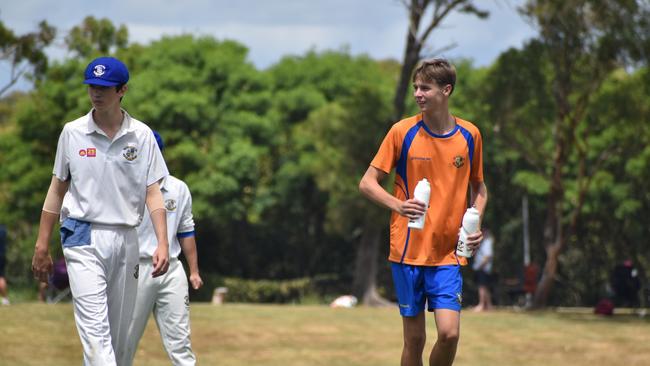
440	286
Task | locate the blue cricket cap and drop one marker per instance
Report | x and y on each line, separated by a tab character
159	140
106	71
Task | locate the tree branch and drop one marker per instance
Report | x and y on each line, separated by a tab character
438	17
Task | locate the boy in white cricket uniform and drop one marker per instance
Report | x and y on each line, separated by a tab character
106	169
167	296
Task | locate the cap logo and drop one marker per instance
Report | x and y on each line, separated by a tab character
99	70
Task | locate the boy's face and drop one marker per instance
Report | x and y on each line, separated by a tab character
429	95
105	97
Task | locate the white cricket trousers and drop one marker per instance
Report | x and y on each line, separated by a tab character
104	284
167	297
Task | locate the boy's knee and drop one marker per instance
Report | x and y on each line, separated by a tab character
448	336
415	340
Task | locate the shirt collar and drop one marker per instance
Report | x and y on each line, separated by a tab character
126	127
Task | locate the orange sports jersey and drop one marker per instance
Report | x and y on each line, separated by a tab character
448	162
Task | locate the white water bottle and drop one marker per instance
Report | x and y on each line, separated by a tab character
421	193
470	225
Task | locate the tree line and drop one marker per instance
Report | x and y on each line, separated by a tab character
273	157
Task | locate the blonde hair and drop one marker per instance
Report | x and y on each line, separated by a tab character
436	70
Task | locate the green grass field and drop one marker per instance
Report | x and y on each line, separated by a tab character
234	335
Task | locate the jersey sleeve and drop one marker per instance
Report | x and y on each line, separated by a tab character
62	159
476	174
186	223
388	152
157	169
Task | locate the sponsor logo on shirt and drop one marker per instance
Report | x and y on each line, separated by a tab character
170	204
90	152
130	153
459	161
420	158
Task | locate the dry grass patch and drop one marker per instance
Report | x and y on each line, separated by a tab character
237	335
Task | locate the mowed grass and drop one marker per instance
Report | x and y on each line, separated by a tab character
234	335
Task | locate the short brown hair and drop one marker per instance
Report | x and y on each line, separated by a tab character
436	70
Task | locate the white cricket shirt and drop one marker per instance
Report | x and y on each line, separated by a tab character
178	204
485	250
108	179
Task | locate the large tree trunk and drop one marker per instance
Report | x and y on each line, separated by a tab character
553	234
546	282
410	60
364	286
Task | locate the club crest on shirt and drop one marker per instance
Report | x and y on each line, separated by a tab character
130	153
170	204
459	161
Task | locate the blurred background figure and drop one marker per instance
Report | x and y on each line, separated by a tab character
626	284
4	295
58	286
482	266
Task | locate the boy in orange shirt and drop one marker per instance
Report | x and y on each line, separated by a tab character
447	151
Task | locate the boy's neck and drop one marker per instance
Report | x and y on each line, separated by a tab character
440	122
109	121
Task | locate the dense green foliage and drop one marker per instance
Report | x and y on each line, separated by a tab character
273	157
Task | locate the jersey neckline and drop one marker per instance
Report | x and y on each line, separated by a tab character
448	134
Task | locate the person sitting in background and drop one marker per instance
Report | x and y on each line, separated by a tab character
626	284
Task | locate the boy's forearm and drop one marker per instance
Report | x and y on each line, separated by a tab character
378	194
371	188
159	221
479	197
158	213
50	212
47	222
188	246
